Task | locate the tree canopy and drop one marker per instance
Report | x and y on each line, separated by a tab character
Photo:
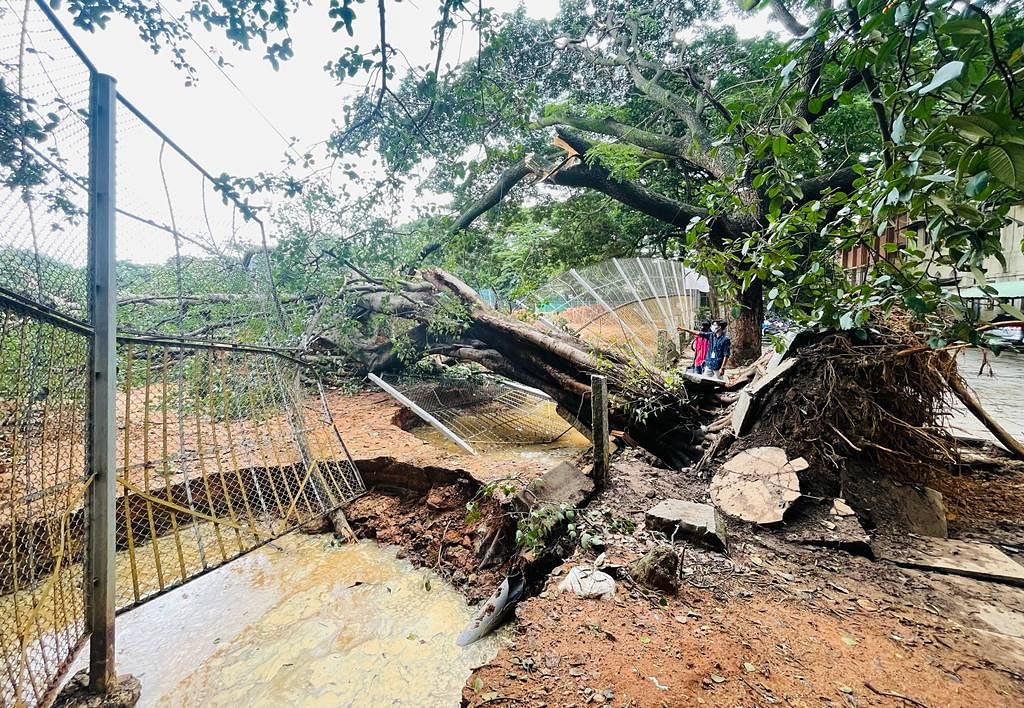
652	127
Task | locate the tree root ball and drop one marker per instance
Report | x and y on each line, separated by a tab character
658	570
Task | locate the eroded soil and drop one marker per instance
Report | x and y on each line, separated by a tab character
774	622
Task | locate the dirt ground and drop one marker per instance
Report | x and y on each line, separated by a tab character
774	622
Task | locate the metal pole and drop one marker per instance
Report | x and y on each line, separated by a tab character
424	415
99	560
599	426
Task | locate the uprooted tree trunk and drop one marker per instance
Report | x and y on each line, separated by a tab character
666	421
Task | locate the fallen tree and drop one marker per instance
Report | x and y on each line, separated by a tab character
663	414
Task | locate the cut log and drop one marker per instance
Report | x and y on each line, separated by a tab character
758	485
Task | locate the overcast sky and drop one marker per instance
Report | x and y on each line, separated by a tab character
235	130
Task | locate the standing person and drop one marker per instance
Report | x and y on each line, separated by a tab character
716	347
700	347
719	350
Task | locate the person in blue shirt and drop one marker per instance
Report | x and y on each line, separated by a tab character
719	348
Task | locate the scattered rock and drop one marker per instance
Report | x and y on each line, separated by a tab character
588	583
819	525
658	569
921	510
758	485
899	508
698	522
564	483
124	693
840	508
438	500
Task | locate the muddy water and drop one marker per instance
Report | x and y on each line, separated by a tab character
303	623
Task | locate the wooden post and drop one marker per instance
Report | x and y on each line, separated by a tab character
599	426
665	349
101	460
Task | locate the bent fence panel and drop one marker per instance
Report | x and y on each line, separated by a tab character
42	486
218	454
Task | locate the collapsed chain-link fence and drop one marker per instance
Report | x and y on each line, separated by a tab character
483	412
223	439
622	303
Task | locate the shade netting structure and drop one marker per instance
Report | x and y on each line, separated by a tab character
622	303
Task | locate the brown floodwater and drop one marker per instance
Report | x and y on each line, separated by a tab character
303	622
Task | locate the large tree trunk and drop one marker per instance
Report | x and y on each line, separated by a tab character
746	329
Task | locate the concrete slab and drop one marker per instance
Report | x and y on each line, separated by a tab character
564	483
971	559
819	526
742	417
689	520
773	374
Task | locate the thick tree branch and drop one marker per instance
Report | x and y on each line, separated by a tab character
666	144
789	21
506	181
816	187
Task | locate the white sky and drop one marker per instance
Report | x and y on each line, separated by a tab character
222	127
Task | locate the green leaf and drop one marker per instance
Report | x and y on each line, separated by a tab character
902	14
946	73
788	69
1006	163
976	184
1011	310
898	129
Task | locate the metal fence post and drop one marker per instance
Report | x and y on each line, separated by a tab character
101	461
599	427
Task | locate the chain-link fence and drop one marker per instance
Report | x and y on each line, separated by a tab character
622	303
482	413
222	440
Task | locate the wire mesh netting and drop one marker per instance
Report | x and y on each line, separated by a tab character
223	440
218	453
42	452
44	157
485	411
44	164
622	303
